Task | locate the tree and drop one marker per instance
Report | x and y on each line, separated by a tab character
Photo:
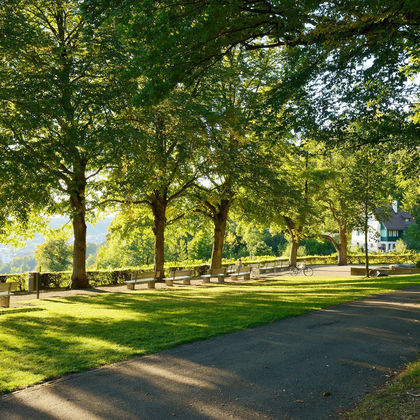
371	44
60	95
231	94
412	237
55	253
18	265
254	240
369	186
199	248
338	207
161	162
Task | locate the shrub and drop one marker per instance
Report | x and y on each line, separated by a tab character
418	264
21	279
118	276
400	247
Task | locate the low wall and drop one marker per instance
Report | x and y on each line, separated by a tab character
361	271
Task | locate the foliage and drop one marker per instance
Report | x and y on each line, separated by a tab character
19	265
193	36
55	253
61	90
20	279
199	247
117	326
254	239
412	237
301	251
317	247
400	247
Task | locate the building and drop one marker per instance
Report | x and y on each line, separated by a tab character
383	234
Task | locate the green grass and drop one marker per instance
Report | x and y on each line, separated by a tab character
400	399
72	334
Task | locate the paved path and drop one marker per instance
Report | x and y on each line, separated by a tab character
277	371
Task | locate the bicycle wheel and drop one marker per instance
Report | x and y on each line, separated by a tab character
308	271
294	271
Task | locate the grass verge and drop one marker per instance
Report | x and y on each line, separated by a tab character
399	399
64	335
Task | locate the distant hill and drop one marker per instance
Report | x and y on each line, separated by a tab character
95	234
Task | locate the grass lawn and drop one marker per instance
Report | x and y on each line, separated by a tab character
63	335
400	399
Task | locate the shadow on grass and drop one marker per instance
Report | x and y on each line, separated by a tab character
232	377
91	330
19	310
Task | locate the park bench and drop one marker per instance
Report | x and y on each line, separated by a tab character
5	290
140	278
219	273
184	275
242	272
231	269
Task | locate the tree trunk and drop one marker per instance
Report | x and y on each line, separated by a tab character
293	252
366	240
159	214
79	278
220	222
342	249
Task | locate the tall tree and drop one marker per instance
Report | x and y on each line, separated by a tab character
60	93
232	94
337	206
370	186
161	162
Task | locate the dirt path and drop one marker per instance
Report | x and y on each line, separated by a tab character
307	367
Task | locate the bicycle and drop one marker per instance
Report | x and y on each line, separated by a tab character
301	269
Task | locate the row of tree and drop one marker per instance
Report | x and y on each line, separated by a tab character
106	107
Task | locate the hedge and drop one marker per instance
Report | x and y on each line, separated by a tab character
114	277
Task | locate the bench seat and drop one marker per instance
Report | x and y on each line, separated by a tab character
140	278
184	275
243	272
216	273
5	290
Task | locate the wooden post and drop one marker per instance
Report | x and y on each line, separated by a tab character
37	278
32	280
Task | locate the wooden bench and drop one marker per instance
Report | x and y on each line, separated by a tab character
218	273
140	278
231	269
5	290
184	275
243	272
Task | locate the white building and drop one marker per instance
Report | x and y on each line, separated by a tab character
383	234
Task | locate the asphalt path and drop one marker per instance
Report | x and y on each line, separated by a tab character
309	367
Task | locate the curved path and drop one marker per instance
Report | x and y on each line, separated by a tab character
308	367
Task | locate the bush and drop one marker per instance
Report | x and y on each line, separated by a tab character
118	276
21	279
400	247
418	264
